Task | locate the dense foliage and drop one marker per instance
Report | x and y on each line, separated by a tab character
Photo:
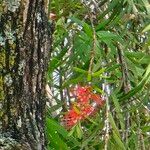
106	45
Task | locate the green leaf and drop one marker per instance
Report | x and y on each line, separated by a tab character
139	87
118	141
113	124
54	128
147	6
79	131
80	70
98	89
106	35
56	107
112	68
88	139
147	28
98	73
76	20
89	77
138	57
146	128
56	61
118	110
87	28
76	80
55	140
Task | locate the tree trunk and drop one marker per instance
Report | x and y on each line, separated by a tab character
24	51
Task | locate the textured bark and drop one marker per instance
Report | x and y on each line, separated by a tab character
24	49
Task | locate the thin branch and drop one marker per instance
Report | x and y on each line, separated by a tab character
92	53
107	125
126	87
90	14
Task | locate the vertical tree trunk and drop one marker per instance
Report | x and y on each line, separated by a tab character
24	51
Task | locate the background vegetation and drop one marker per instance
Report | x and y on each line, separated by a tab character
105	44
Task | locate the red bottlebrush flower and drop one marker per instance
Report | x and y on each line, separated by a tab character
83	94
74	115
83	106
71	118
88	110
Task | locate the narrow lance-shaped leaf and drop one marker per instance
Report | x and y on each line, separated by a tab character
118	110
139	87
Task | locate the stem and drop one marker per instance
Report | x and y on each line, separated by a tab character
92	53
94	41
107	126
126	88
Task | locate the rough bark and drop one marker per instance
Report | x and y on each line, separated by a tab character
24	50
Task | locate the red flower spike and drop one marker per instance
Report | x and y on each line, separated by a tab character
71	118
82	108
88	110
83	94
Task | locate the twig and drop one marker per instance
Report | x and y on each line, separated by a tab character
94	39
107	126
126	87
92	53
